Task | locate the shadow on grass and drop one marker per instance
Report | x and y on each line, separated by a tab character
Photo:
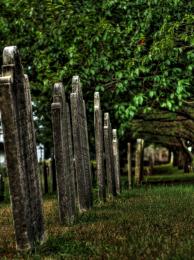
66	245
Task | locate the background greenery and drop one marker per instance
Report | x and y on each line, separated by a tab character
138	54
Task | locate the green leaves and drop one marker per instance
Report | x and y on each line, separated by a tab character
138	53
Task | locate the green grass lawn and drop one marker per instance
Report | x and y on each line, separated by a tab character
145	223
168	174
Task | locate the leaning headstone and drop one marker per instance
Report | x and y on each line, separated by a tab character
20	149
139	161
98	127
116	161
65	179
129	166
111	183
81	147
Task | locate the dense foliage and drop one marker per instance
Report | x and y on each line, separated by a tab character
137	53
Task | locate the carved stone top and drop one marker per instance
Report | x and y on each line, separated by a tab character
58	92
106	120
75	84
114	135
96	100
140	141
58	89
9	55
55	106
6	80
76	87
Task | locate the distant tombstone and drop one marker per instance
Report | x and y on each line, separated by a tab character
99	145
46	176
53	173
129	166
65	179
116	161
151	161
81	146
1	187
111	183
139	161
20	150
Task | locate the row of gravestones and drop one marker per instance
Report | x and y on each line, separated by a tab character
71	149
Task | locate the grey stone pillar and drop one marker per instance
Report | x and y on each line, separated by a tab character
65	185
151	161
116	161
98	127
53	173
129	167
139	161
45	177
81	147
71	162
20	150
87	158
1	187
111	183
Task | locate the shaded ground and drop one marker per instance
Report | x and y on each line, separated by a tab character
147	223
166	174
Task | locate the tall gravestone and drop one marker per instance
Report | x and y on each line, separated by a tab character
129	166
116	158
20	150
99	145
81	146
53	173
139	161
111	183
72	167
63	156
1	187
46	177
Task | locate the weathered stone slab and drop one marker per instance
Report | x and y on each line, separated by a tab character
99	145
139	161
111	183
116	159
53	174
129	166
20	149
71	164
45	177
65	179
1	187
81	147
87	159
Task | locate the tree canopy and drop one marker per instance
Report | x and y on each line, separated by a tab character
139	54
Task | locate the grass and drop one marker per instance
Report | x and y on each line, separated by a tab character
146	223
152	222
168	174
